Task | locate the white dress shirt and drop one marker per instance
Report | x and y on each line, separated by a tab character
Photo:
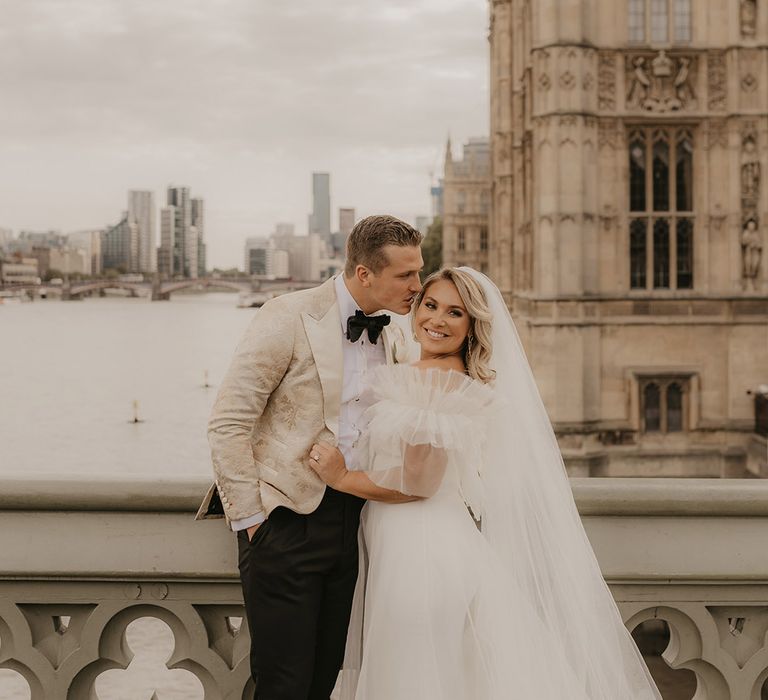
359	359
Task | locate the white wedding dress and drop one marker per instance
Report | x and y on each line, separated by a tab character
436	614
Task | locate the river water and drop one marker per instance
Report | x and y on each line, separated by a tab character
69	374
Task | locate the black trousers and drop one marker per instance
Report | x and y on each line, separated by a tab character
298	575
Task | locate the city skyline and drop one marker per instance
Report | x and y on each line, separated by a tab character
81	130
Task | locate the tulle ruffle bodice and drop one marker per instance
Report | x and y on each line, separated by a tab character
424	432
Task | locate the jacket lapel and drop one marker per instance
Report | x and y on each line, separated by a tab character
387	338
324	335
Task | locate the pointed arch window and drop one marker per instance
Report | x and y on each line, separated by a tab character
661	201
663	404
652	407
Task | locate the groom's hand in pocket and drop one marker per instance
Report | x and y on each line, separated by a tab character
252	530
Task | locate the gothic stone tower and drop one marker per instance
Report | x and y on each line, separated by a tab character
629	217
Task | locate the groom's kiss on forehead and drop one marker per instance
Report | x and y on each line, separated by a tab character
383	264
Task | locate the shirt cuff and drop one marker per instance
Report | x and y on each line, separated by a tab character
250	521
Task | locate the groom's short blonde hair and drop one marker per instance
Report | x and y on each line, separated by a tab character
369	237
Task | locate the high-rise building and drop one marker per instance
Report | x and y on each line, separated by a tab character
50	239
69	260
6	236
346	221
119	246
466	205
165	252
90	241
263	259
629	224
339	239
436	193
198	223
182	246
141	212
251	244
320	218
284	229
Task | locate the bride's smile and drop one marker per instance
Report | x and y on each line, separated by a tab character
441	321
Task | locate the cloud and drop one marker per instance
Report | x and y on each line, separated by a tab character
241	99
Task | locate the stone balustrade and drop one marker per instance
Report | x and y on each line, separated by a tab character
81	559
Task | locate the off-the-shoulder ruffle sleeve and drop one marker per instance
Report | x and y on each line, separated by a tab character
423	424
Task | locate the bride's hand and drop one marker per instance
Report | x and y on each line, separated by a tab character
328	462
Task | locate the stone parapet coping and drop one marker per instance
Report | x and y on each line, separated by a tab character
594	496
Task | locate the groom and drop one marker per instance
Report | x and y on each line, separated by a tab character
298	377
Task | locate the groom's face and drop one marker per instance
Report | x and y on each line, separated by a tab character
396	285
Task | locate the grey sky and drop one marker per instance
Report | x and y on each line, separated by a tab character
239	99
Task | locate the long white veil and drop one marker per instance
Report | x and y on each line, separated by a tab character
531	522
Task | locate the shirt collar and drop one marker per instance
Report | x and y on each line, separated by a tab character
347	303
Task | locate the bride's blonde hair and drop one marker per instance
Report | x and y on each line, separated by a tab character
477	348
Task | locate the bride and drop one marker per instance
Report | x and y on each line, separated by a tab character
484	587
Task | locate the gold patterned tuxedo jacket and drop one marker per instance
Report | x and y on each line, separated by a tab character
281	394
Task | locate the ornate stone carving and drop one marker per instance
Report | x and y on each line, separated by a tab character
750	173
588	81
606	81
750	237
748	17
716	81
664	86
609	218
751	253
748	82
567	80
717	219
717	133
503	144
609	133
544	82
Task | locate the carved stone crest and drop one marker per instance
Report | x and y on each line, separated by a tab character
661	83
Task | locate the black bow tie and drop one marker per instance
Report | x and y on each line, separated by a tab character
359	322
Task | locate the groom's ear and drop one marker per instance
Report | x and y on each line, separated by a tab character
363	275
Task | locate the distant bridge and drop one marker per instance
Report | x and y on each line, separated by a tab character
161	290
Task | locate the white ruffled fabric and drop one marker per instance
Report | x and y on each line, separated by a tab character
434	617
444	412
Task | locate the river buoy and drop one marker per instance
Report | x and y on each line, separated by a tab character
136	418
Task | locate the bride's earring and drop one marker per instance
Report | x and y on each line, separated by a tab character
469	343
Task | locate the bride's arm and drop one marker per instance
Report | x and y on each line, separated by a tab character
421	474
